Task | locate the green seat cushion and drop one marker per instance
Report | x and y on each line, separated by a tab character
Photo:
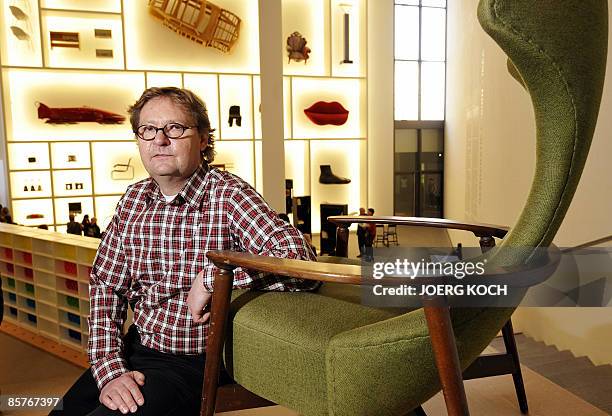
324	353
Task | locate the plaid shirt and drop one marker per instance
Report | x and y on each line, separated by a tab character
153	250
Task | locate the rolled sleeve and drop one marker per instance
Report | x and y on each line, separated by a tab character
256	228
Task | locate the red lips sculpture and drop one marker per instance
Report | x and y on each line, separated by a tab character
322	113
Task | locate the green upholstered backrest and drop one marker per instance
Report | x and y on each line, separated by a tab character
557	50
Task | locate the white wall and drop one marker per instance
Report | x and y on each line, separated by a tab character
489	156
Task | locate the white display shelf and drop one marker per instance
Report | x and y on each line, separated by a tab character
46	293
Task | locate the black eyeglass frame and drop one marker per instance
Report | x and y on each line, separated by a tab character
163	129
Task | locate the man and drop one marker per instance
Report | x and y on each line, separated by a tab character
361	233
93	229
153	256
73	227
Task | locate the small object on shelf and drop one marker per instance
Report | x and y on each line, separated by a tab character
347	17
329	178
74	335
69	187
198	20
64	39
71	285
78	185
104	53
39	188
19	33
72	302
18	13
103	33
123	171
234	114
323	112
75	207
72	115
75	319
31	159
32	188
25	188
72	158
296	47
34	216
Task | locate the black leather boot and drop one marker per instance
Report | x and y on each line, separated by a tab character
328	177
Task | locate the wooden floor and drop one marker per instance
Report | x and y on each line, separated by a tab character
30	371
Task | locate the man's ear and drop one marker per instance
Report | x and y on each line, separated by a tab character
203	141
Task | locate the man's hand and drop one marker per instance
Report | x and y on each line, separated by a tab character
198	300
123	393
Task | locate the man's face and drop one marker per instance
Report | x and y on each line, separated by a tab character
362	211
164	157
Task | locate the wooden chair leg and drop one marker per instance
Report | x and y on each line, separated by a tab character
216	337
517	375
446	356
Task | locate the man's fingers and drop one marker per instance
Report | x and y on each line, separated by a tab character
133	387
117	400
206	317
126	395
108	402
138	377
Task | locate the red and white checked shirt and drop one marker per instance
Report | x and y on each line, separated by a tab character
153	250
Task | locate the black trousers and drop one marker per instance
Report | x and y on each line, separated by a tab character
173	384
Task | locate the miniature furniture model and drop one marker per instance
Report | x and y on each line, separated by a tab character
123	171
325	353
198	20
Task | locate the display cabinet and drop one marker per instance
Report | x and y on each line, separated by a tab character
45	279
98	56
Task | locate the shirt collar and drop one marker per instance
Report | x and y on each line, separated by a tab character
192	192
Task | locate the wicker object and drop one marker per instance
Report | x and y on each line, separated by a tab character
198	20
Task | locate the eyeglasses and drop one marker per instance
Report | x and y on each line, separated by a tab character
171	130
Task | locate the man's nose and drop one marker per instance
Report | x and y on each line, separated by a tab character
161	139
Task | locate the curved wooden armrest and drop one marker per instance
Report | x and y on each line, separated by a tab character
522	275
479	230
310	270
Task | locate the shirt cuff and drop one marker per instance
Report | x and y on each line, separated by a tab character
208	280
108	368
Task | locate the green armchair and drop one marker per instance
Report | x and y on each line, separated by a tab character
324	353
